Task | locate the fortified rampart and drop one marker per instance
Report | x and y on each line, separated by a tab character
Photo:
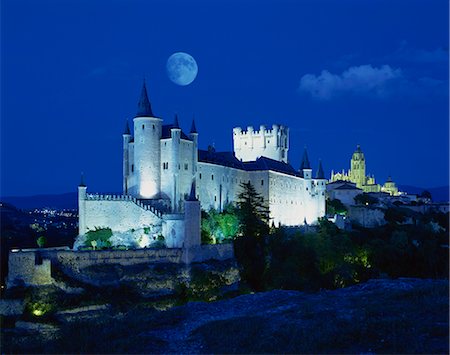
34	266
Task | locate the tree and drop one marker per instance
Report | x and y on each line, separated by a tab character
426	194
253	212
250	246
41	241
335	206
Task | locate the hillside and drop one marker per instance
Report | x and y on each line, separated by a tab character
380	316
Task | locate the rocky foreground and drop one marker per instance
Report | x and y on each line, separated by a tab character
380	316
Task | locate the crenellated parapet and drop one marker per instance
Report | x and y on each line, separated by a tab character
138	202
251	144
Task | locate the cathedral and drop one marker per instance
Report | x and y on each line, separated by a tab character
357	175
166	175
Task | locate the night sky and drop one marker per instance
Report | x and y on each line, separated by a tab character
338	73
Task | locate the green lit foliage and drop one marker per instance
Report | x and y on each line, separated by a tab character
326	259
100	236
335	206
219	227
365	199
41	241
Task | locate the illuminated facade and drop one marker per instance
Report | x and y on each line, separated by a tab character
357	175
163	169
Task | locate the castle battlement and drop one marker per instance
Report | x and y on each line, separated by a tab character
250	144
250	130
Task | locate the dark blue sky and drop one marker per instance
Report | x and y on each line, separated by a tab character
338	73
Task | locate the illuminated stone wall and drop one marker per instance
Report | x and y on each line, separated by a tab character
117	213
291	199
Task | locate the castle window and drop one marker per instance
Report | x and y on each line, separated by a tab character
306	189
132	167
262	182
153	127
200	176
178	166
215	198
185	166
268	141
212	177
143	126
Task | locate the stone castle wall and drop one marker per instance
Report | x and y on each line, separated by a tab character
120	213
34	266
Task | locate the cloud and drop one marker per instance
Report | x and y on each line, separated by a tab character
356	80
111	68
419	55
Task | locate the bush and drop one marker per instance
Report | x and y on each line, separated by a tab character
100	237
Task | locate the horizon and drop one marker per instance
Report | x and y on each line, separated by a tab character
326	70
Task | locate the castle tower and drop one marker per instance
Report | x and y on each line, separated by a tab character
192	218
147	150
252	144
358	167
193	135
305	167
126	163
174	167
82	206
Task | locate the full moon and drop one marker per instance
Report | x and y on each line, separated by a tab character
181	68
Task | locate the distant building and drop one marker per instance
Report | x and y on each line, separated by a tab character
344	191
357	175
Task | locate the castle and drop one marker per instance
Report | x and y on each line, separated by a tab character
357	175
167	180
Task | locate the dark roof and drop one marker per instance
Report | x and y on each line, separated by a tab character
176	124
320	174
127	129
347	187
144	107
193	128
82	183
192	196
305	161
261	164
166	132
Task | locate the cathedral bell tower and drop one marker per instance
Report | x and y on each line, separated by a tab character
358	167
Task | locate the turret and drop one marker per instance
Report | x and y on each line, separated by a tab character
175	133
126	161
320	174
147	150
82	206
193	135
305	167
192	219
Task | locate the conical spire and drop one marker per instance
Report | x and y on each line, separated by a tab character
176	124
82	184
320	174
144	107
305	161
127	129
192	196
193	128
